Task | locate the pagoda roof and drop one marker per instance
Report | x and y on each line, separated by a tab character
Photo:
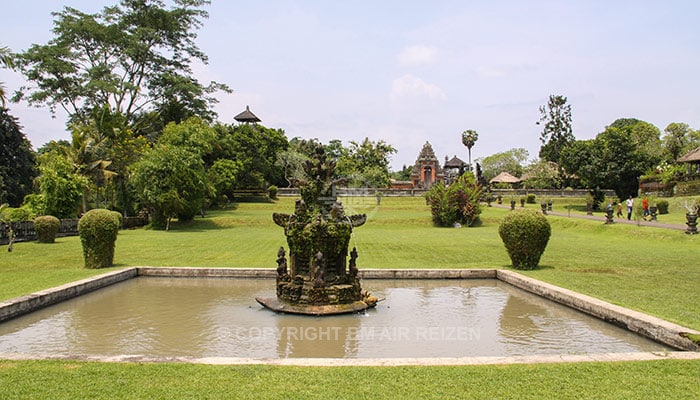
246	116
455	162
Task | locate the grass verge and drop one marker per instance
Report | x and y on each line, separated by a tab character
630	380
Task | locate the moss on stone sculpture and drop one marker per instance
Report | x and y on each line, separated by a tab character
318	234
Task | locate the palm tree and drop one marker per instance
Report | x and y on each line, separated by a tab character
86	152
469	137
5	62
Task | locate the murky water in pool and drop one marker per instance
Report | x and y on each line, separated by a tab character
219	317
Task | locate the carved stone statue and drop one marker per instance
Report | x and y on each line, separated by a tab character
318	234
281	263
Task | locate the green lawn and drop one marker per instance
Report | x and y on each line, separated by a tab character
577	206
653	270
79	380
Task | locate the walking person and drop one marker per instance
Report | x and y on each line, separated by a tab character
645	207
630	207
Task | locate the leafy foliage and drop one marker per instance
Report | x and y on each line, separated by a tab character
128	59
678	139
291	162
556	133
469	138
644	135
5	62
365	164
458	203
543	175
60	187
272	192
17	164
662	206
98	230
510	161
614	159
223	176
193	134
525	233
171	182
256	148
46	227
689	187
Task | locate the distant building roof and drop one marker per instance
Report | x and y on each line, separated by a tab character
455	163
246	116
504	177
693	156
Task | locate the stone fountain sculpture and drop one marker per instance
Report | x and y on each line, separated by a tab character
318	279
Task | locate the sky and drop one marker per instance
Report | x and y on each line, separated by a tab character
407	72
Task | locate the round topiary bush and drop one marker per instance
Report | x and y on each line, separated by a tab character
525	234
662	205
46	227
272	192
98	232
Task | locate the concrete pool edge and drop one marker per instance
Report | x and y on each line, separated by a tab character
378	362
34	301
650	327
645	325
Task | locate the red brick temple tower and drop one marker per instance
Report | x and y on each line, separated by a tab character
427	170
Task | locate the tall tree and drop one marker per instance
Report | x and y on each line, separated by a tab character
544	174
623	161
128	59
171	182
60	186
291	161
614	160
510	161
5	62
366	163
17	164
469	138
556	130
678	139
646	136
256	147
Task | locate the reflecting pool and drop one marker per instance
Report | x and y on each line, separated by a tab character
181	317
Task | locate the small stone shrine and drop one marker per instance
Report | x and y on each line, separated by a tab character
318	279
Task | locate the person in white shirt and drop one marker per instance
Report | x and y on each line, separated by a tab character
630	207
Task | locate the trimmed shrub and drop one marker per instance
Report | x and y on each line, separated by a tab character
119	217
531	198
662	206
98	230
272	192
525	234
46	227
16	214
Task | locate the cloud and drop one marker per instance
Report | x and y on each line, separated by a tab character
412	86
490	71
417	55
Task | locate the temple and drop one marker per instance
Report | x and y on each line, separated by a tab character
427	170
